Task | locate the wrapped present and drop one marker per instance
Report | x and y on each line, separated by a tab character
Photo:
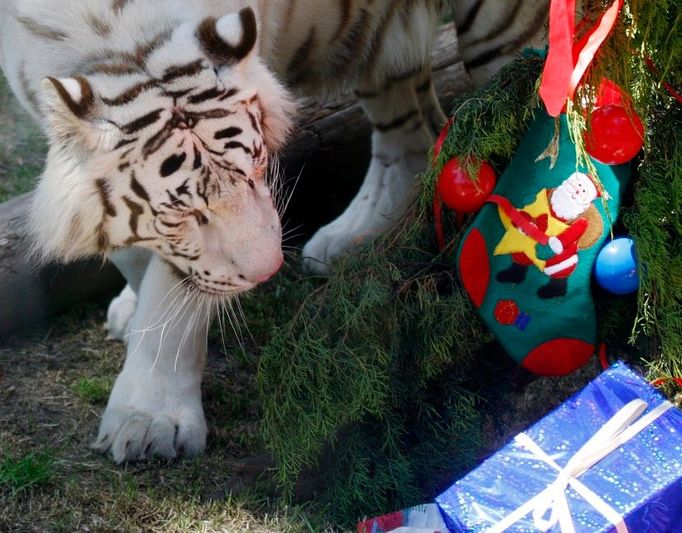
420	519
608	459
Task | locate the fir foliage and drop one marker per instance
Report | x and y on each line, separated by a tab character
490	121
655	222
642	54
373	363
646	29
371	371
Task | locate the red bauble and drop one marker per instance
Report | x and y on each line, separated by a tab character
462	193
441	138
616	135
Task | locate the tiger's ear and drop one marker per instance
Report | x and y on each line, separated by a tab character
70	107
230	38
68	99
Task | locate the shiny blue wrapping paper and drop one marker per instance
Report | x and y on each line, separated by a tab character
641	480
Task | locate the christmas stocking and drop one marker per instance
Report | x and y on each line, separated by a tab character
527	258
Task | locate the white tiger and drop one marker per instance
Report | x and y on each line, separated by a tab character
162	116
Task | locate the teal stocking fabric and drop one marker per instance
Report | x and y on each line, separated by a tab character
527	258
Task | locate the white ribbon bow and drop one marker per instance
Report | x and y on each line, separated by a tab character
624	425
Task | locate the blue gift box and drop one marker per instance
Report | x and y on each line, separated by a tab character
636	484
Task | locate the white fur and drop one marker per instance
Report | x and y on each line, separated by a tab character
229	28
65	212
80	151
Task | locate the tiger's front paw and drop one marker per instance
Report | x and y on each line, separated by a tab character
119	315
148	417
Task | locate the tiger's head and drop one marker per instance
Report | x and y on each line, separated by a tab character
167	147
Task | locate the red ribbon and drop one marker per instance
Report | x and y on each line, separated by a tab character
438	220
564	70
671	90
663	381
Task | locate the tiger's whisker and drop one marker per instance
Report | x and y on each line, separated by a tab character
236	322
220	325
172	311
179	312
189	326
200	306
290	194
286	232
207	310
150	327
233	325
238	305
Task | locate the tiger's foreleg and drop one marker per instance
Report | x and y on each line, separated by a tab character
132	263
405	116
155	406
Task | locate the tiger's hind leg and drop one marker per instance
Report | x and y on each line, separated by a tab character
405	117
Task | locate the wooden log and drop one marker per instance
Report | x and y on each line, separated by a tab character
329	152
29	293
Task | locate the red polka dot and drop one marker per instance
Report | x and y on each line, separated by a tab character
506	312
558	357
474	267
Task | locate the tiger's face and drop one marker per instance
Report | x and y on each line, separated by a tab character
168	149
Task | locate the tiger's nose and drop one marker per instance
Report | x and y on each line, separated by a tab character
264	269
266	277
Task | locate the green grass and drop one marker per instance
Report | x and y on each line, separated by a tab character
18	473
93	390
22	146
20	179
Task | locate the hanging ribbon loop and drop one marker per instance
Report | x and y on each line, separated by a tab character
565	65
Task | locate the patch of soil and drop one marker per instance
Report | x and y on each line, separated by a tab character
41	411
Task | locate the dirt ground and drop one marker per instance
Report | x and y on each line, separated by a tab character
54	382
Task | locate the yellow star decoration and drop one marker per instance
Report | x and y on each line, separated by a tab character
515	241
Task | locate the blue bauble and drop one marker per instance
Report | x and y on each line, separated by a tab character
616	266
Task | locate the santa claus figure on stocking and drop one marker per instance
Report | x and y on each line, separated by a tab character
563	219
